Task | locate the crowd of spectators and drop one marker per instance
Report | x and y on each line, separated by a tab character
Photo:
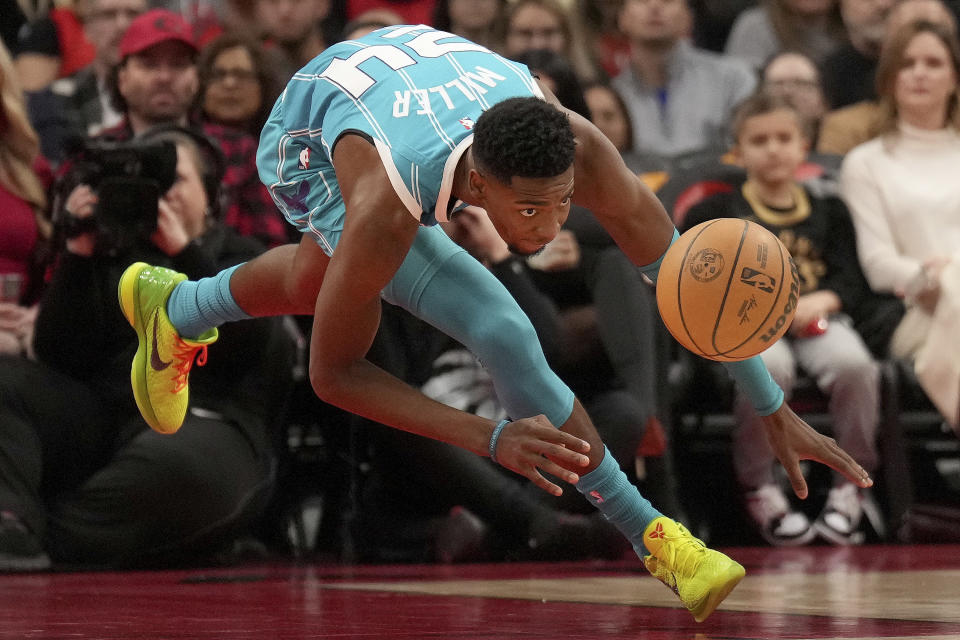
867	90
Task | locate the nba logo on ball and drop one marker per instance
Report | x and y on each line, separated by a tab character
727	289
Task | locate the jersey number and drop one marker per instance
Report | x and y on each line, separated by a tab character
346	72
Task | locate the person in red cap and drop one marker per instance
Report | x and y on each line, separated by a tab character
156	78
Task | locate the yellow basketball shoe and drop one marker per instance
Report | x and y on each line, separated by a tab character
163	361
701	577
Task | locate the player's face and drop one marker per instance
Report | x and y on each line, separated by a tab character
527	212
926	79
771	146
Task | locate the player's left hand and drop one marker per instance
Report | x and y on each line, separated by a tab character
793	440
531	445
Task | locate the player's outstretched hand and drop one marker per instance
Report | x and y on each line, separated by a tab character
793	440
531	445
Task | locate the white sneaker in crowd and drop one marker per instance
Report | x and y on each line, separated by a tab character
839	522
779	524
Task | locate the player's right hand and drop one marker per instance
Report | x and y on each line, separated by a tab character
531	445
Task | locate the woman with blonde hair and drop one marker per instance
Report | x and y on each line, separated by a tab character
23	206
902	189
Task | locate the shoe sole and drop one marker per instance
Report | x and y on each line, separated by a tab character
734	575
127	293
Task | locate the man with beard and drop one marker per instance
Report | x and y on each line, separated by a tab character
156	80
156	83
680	98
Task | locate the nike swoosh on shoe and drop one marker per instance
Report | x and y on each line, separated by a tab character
155	361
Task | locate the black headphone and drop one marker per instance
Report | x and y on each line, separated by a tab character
211	155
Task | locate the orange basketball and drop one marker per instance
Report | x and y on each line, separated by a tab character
727	289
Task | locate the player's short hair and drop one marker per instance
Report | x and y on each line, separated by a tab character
524	138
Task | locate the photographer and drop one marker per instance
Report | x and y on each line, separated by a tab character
83	480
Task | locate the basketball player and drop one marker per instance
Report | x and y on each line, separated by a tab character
373	143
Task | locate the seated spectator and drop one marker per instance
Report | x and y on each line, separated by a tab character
846	127
556	73
156	82
901	187
23	219
848	72
713	20
86	481
546	24
795	77
475	20
771	142
295	29
811	27
609	113
79	105
679	97
611	46
237	87
52	46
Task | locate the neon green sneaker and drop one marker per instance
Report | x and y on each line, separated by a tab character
701	577
163	361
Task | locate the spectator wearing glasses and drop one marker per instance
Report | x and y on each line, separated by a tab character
236	87
236	94
794	76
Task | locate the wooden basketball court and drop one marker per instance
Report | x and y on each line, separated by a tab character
871	592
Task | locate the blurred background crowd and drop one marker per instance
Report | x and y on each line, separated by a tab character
129	129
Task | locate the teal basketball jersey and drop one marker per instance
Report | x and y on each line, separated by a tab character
415	92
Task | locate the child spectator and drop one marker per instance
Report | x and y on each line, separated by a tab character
772	140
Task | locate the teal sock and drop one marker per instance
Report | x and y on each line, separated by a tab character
195	307
608	489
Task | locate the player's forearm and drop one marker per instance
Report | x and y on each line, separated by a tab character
754	380
369	391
